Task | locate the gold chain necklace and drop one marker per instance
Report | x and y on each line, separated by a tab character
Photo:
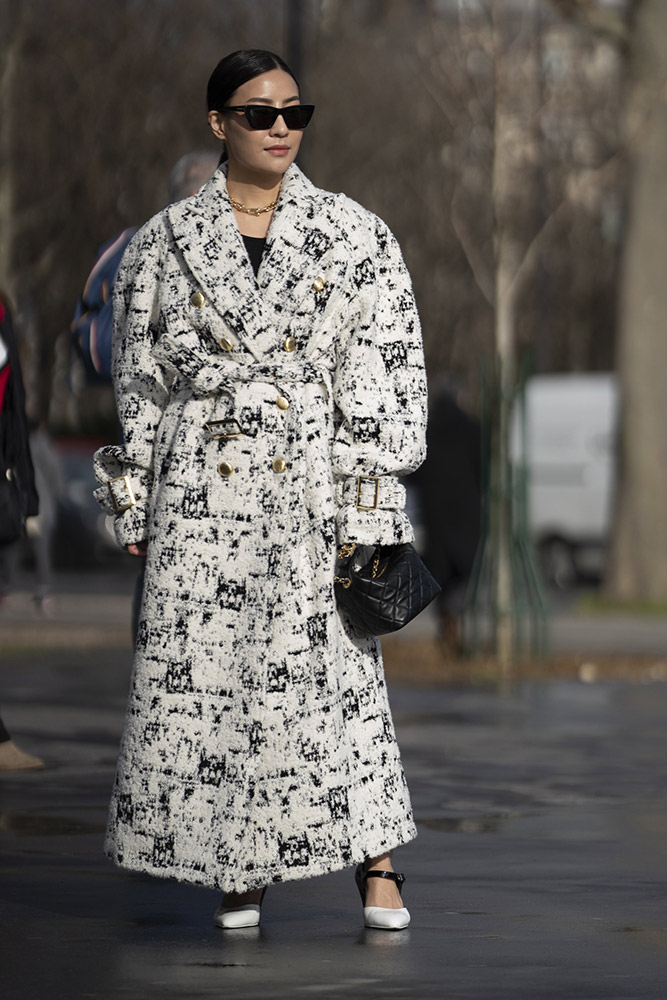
252	211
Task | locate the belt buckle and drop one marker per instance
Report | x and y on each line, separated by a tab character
229	427
120	507
368	479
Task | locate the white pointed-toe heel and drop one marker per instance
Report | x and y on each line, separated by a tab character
238	916
381	917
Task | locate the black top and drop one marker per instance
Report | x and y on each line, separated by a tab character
255	247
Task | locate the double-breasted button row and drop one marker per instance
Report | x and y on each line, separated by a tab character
226	469
289	344
198	299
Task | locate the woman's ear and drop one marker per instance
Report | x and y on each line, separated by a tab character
216	122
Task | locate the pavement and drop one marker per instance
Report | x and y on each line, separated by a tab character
539	872
91	609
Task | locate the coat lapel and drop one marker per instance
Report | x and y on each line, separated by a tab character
304	260
301	248
207	235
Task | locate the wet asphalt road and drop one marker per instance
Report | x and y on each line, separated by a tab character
540	871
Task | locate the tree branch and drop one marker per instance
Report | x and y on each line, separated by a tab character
530	258
470	246
614	25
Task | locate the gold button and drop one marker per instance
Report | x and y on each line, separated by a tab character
319	284
282	403
197	300
225	469
279	465
289	344
225	344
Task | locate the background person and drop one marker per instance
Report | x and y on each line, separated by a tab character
39	531
269	377
50	487
15	458
450	499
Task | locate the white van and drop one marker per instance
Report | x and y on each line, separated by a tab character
570	438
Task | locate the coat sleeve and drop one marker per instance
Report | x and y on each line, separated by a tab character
380	395
141	389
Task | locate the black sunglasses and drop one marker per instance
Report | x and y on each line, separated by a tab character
261	117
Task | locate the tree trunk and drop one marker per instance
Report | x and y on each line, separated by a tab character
638	565
9	53
512	175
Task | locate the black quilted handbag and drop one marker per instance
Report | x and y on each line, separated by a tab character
388	592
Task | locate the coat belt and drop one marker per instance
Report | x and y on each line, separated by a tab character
207	376
213	379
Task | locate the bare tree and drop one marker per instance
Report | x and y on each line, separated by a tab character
638	568
9	51
511	158
97	102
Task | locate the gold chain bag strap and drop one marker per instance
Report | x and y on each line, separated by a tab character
388	592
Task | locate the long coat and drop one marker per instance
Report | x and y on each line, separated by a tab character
265	420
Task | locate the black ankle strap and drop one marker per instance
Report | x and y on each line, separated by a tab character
397	877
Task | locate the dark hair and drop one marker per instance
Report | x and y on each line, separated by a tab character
236	69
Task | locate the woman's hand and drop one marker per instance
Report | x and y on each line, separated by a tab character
140	549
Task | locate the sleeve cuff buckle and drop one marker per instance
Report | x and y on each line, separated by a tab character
127	498
360	484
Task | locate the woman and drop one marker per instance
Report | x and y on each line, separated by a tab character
266	417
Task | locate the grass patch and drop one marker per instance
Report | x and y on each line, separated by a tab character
425	661
598	604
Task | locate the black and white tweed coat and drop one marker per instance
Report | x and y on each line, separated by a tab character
258	744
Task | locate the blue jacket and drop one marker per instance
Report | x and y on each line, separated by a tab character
92	325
